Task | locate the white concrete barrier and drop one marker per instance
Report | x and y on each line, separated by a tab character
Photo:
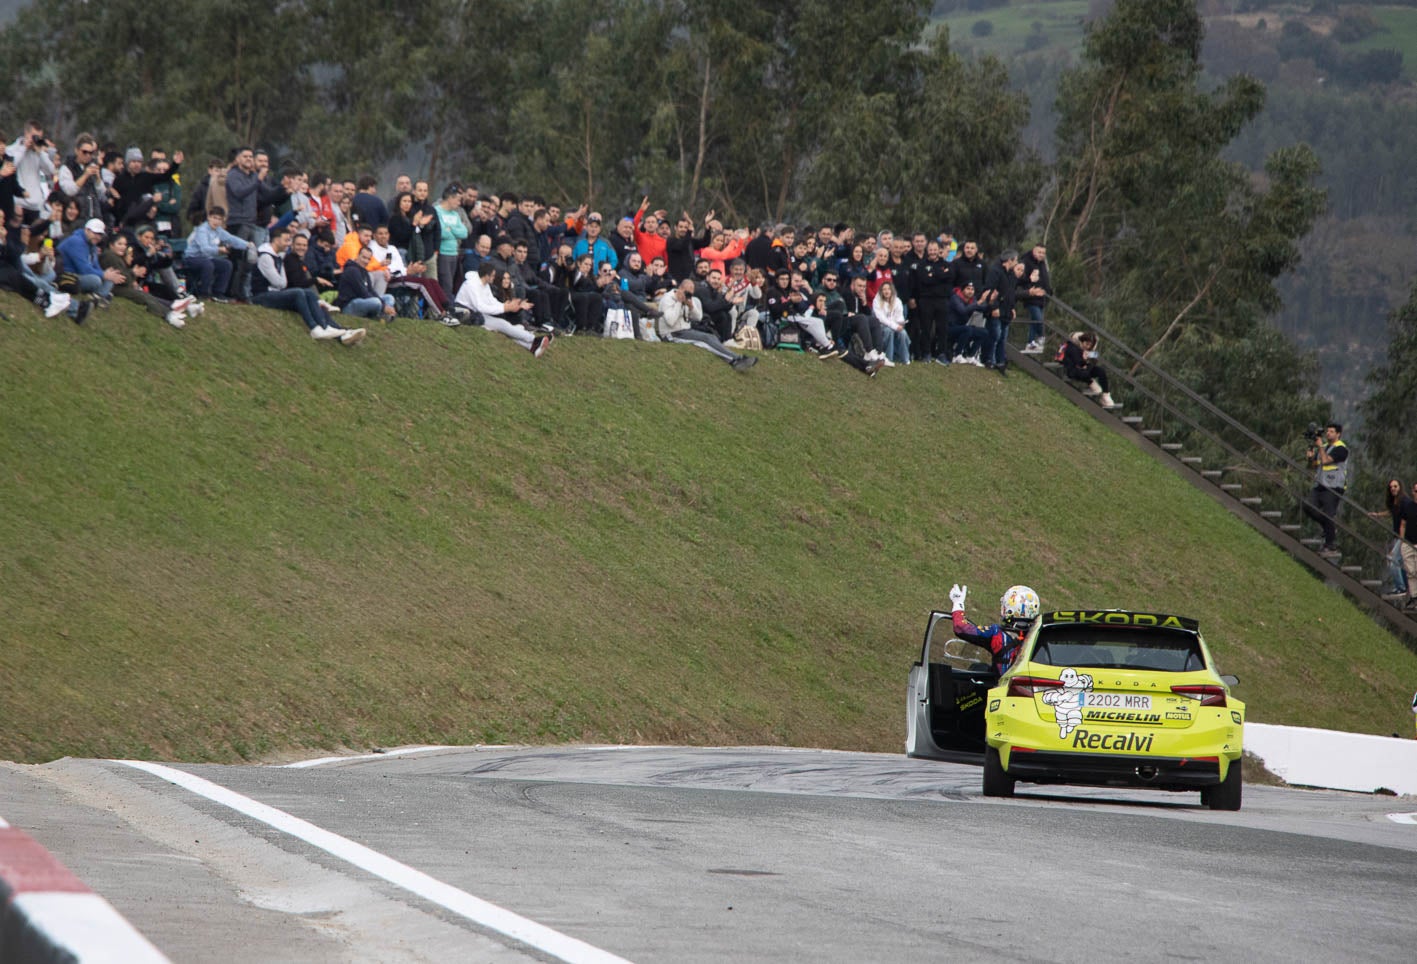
1334	760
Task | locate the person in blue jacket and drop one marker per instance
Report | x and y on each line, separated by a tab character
80	272
1018	608
597	247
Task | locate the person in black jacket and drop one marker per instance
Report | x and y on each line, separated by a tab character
932	300
1033	294
968	266
1081	365
1000	283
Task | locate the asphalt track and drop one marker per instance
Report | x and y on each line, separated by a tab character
757	854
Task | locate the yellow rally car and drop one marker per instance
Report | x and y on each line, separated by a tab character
1096	697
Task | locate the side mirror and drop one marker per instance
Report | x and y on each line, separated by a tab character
1229	680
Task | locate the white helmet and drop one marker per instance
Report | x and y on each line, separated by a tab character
1019	605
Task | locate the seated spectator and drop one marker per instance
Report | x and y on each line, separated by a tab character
678	321
80	271
320	260
890	313
118	257
407	276
859	356
861	324
555	278
355	241
1080	364
967	327
17	276
153	263
791	305
477	298
269	289
298	274
205	255
586	296
357	296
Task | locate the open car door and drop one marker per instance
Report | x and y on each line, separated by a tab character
945	702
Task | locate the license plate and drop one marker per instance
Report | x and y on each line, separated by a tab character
1117	701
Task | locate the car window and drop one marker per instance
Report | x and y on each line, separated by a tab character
1119	647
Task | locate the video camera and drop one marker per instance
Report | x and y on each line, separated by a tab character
1313	434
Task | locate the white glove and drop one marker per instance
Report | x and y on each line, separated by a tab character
957	596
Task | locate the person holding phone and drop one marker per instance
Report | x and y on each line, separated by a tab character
1080	364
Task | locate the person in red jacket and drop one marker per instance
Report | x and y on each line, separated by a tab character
648	240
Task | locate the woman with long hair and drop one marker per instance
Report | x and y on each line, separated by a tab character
889	311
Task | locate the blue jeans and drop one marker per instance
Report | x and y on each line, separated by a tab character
90	284
212	275
967	339
895	345
368	307
1035	322
997	331
302	301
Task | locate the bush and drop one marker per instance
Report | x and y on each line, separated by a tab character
982	28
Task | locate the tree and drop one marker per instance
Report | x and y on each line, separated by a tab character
1390	409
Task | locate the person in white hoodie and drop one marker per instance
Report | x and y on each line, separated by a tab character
476	297
35	170
680	312
269	290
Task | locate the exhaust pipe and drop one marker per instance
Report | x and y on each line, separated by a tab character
1147	773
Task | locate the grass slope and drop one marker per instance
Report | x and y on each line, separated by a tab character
230	542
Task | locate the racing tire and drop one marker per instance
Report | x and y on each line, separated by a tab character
997	782
1226	794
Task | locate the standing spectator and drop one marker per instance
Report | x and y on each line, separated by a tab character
1407	534
368	206
81	179
1000	285
932	299
1328	454
1081	365
245	192
880	272
1037	287
968	266
1396	510
647	238
452	229
35	170
679	249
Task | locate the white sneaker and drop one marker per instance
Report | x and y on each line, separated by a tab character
195	308
58	304
1093	389
957	360
1032	348
351	337
889	363
325	333
331	307
974	360
1106	401
177	319
181	303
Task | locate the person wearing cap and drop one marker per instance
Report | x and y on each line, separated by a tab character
80	270
970	341
134	182
597	247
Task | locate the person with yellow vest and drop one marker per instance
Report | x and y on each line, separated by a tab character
1329	456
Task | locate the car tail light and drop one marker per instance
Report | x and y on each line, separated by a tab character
1027	686
1208	693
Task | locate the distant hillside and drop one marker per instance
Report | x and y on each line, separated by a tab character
227	541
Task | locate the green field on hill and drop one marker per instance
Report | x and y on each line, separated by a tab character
231	542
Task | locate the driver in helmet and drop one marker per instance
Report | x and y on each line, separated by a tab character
1017	609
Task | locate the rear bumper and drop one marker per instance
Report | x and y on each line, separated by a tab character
1109	770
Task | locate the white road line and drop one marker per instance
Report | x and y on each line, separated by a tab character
475	909
405	751
1403	817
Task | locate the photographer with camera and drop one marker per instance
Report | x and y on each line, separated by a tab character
1328	455
35	168
81	179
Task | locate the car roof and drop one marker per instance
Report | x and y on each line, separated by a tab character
1119	617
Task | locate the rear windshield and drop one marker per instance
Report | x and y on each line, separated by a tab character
1119	647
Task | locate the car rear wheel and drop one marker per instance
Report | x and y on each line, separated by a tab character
1226	794
997	782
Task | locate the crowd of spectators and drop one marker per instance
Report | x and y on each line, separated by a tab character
104	222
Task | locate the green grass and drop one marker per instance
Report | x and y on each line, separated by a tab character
1400	34
1061	21
231	542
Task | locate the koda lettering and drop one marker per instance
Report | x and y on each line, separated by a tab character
1122	716
1109	618
1132	742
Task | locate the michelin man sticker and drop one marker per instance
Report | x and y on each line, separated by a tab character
1067	702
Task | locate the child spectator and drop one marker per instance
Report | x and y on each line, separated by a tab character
1081	365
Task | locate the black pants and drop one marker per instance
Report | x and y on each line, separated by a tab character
720	323
933	328
1090	373
590	310
14	279
1322	507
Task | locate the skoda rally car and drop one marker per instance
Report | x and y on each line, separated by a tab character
1097	697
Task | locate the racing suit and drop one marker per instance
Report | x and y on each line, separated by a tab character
1001	642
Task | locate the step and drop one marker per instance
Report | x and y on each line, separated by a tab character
1231	486
1290	527
1172	446
1273	514
1352	570
1373	583
1151	432
1212	473
1314	543
1192	459
1132	419
1252	500
1053	365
